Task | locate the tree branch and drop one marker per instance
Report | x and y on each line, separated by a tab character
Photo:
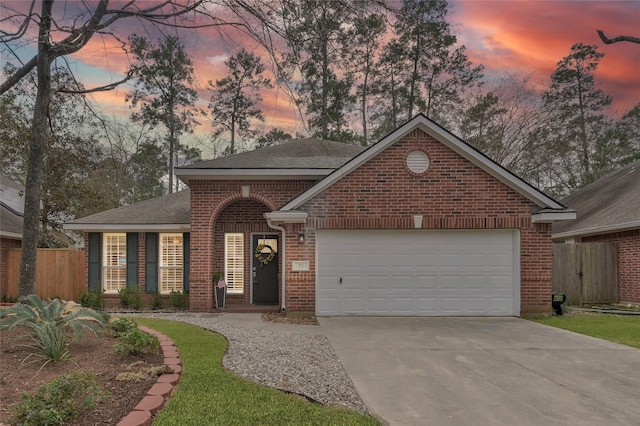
8	37
607	40
18	75
100	88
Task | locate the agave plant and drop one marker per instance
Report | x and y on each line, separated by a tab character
52	324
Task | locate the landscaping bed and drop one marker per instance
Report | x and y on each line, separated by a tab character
20	372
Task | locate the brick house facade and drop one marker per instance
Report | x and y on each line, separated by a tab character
301	190
382	193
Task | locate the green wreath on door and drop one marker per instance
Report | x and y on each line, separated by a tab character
265	260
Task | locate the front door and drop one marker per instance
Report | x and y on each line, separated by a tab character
265	269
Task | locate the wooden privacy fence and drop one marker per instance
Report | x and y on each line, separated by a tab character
586	272
59	273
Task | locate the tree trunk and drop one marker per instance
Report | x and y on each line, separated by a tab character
325	91
172	145
39	132
414	78
365	136
233	136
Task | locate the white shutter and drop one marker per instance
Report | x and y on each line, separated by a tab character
114	262
234	262
171	263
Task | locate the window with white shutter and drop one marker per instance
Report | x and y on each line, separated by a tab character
171	263
234	262
114	262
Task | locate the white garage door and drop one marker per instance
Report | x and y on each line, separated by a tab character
417	272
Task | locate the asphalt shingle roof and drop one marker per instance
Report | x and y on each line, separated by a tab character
309	153
10	221
608	203
169	209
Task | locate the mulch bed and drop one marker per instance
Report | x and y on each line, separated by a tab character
88	354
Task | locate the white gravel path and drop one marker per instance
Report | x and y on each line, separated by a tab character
300	363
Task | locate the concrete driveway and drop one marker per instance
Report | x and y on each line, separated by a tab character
486	371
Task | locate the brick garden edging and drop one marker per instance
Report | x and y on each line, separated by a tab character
143	413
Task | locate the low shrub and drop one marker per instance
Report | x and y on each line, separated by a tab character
51	324
136	342
121	326
178	300
8	299
130	297
92	299
51	340
156	301
58	401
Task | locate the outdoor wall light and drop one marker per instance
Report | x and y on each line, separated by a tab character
301	237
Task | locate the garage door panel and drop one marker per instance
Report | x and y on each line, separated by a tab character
417	273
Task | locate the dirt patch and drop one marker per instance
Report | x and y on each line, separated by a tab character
89	354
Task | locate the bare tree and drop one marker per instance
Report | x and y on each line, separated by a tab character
60	34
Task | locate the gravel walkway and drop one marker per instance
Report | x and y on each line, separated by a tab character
304	364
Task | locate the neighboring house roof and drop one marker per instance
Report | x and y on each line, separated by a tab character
550	209
169	212
309	158
11	208
610	204
10	223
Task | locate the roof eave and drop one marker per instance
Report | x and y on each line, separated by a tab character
11	235
585	232
244	174
119	227
281	217
551	217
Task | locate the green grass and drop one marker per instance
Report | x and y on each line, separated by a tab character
623	329
209	395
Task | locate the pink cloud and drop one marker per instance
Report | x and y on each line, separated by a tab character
532	36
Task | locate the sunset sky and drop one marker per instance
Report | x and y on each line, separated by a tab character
521	37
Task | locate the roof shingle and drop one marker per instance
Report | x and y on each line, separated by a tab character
610	203
309	153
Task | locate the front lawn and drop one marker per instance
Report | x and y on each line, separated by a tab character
209	395
623	329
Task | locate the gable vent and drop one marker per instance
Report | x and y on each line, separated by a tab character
418	161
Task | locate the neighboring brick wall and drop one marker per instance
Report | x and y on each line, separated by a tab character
451	194
5	245
222	199
628	261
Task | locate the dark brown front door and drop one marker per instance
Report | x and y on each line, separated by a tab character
265	269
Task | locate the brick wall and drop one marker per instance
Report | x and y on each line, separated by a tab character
628	261
451	194
5	245
113	300
213	200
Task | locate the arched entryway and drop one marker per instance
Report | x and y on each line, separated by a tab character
247	251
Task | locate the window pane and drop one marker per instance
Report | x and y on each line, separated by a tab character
234	262
171	261
114	263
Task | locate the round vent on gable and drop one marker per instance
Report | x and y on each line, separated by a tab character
418	161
